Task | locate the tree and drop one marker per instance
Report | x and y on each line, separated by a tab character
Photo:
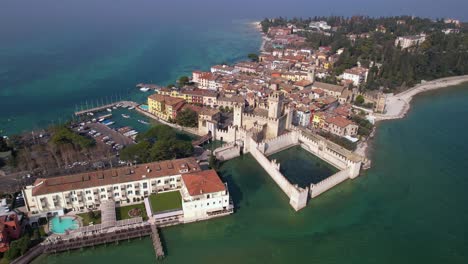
253	57
187	118
137	152
359	100
183	80
3	145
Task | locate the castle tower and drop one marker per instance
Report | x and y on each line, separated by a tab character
275	104
311	74
289	110
237	119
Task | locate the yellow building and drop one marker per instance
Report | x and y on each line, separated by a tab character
319	119
164	106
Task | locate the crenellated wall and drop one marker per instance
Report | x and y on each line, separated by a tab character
328	183
297	196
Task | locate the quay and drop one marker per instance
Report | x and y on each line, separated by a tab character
104	107
110	231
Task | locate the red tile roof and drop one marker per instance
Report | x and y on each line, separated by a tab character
203	182
114	176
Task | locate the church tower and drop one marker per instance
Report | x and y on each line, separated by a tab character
275	105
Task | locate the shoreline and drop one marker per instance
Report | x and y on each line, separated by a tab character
400	104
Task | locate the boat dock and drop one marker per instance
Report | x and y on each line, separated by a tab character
104	107
158	248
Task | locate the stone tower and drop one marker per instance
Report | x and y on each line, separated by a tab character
311	74
275	104
237	119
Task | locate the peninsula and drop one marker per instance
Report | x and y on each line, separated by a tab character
320	84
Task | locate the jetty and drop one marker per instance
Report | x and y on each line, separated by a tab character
104	107
158	248
110	231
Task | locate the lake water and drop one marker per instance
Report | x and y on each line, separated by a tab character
410	207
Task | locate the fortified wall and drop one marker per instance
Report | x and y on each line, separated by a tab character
347	162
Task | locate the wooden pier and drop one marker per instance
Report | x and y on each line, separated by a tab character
104	107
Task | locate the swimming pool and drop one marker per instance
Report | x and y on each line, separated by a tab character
144	107
60	224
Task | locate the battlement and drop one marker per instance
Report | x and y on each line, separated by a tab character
259	117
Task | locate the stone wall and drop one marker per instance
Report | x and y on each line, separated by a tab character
328	183
298	196
228	151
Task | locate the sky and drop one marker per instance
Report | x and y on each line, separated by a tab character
15	11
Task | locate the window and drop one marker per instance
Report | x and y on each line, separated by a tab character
103	196
159	181
88	191
89	198
116	187
129	186
208	196
116	194
145	185
103	189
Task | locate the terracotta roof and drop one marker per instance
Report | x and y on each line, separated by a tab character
339	121
329	87
166	99
203	182
114	176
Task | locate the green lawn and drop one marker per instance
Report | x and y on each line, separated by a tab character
88	219
122	212
165	201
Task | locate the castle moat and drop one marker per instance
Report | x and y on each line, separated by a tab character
301	167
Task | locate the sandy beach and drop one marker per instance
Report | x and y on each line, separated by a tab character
397	106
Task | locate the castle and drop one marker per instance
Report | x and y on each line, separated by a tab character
259	124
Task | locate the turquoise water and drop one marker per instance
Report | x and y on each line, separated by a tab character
59	225
410	207
46	76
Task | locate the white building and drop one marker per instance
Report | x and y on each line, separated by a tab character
410	41
302	117
204	196
358	75
124	185
224	69
323	25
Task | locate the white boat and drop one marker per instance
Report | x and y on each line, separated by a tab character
125	116
115	107
109	110
131	108
110	123
143	122
101	119
90	113
144	89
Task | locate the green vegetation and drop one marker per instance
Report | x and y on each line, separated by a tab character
359	100
122	212
441	55
90	217
165	201
183	80
3	145
187	118
339	140
253	57
161	142
63	135
18	248
365	127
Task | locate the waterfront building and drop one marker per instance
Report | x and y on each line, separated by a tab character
164	106
204	196
10	229
329	89
340	126
124	185
303	117
319	25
